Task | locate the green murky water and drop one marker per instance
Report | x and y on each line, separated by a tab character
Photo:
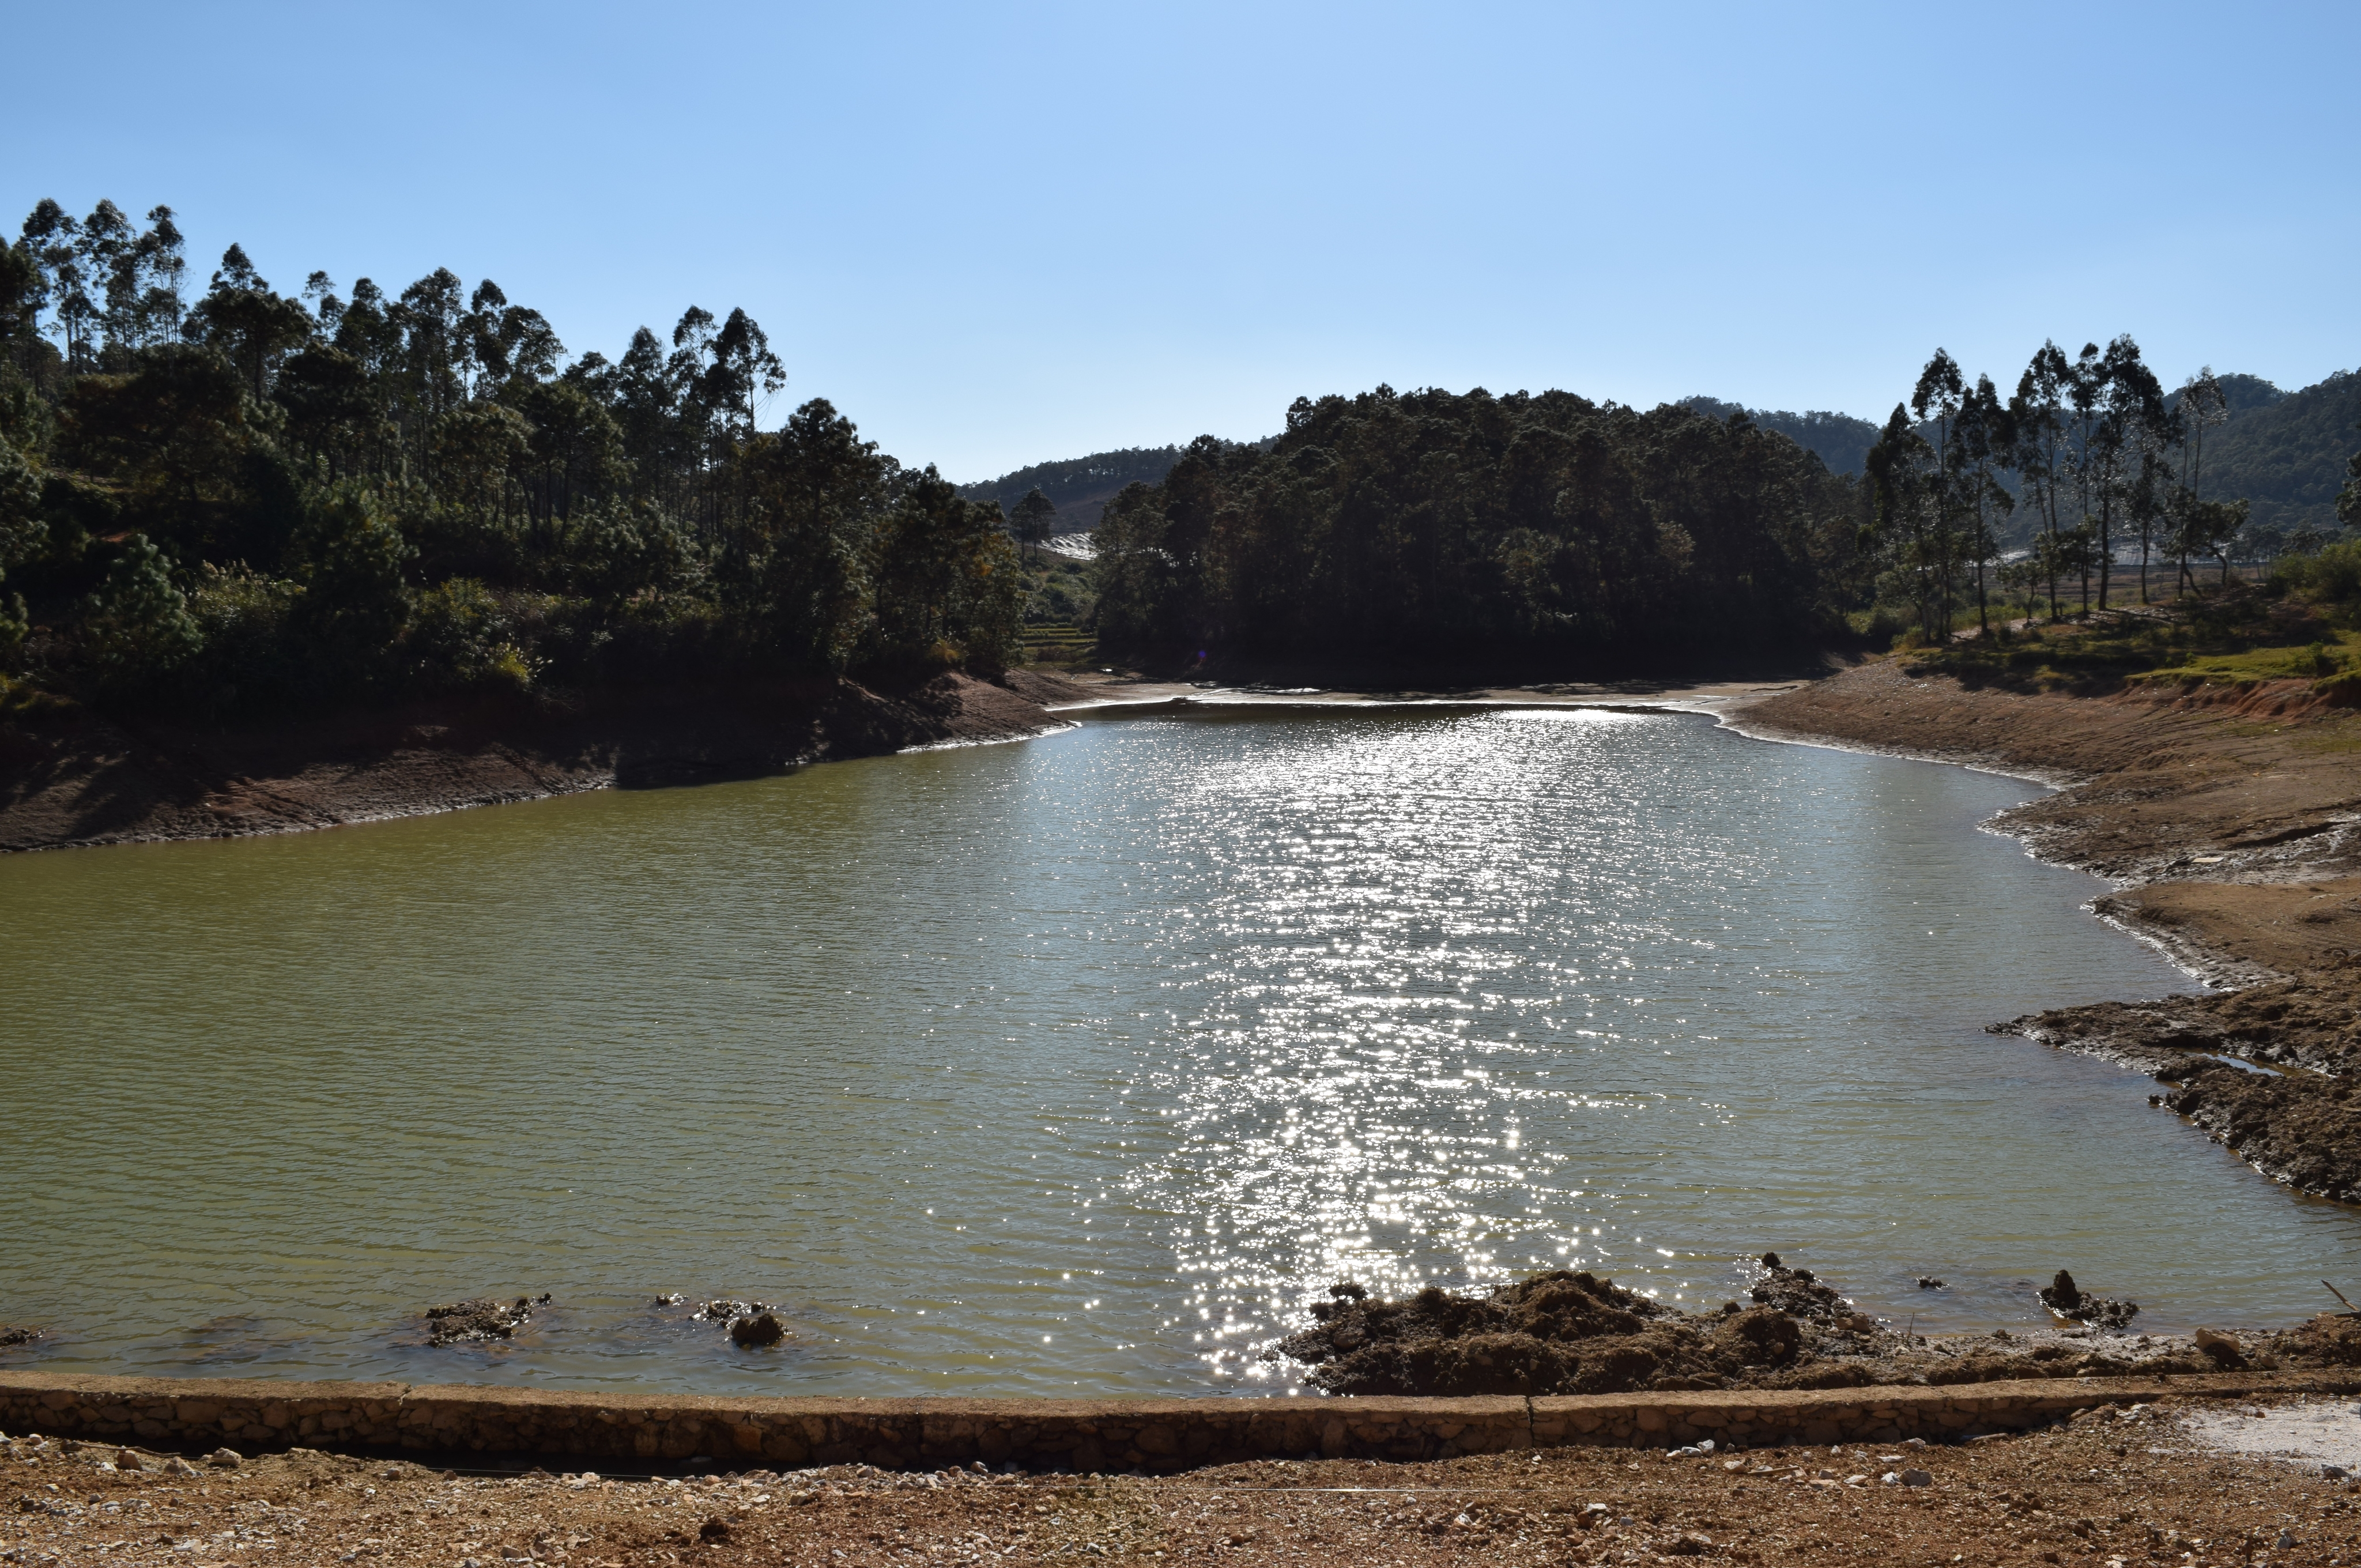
1083	1064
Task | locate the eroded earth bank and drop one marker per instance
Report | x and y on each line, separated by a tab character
68	776
2175	1480
2230	818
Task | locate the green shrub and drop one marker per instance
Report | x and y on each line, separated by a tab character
136	628
355	602
242	617
458	625
2332	576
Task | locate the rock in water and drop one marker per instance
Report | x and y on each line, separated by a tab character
463	1323
9	1336
727	1310
761	1329
1796	1293
2062	1297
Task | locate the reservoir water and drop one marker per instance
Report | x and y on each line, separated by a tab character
1083	1064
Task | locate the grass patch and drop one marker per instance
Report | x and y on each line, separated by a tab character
20	701
2329	655
2244	633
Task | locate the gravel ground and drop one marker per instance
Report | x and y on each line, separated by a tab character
2164	1483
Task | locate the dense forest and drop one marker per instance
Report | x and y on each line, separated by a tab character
235	499
254	497
2285	453
1432	526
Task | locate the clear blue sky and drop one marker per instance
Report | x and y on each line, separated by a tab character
999	234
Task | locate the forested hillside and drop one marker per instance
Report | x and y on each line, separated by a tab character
2286	453
1430	526
1840	440
1078	488
261	497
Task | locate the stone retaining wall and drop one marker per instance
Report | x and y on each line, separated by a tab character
199	1414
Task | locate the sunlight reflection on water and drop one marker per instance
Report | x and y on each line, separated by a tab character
1089	1062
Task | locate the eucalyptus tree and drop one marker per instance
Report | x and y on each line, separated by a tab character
124	258
741	367
20	304
2086	392
1903	484
2037	422
2136	418
2202	406
254	327
1983	443
157	280
644	395
1938	399
53	238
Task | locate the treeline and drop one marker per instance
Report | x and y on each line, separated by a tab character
255	496
2106	464
1432	526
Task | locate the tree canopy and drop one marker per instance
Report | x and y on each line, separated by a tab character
1431	526
262	496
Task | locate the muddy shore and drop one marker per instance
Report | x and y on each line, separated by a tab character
2229	818
71	777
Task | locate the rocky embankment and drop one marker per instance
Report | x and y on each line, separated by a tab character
71	777
1573	1333
2230	816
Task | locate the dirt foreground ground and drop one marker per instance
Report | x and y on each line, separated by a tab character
2174	1482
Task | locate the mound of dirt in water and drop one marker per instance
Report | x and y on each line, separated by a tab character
2064	1297
1575	1333
1796	1293
473	1321
1555	1333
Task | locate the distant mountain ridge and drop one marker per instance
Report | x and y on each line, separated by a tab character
1080	488
2285	452
1840	440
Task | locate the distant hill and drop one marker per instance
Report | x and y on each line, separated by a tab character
1840	440
2286	452
2245	393
2283	451
1080	488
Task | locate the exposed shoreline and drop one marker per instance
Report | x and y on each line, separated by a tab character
2229	821
73	779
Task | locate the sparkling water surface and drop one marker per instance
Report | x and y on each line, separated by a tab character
1084	1064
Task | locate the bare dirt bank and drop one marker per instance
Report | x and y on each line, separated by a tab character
2230	818
2149	1477
71	777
